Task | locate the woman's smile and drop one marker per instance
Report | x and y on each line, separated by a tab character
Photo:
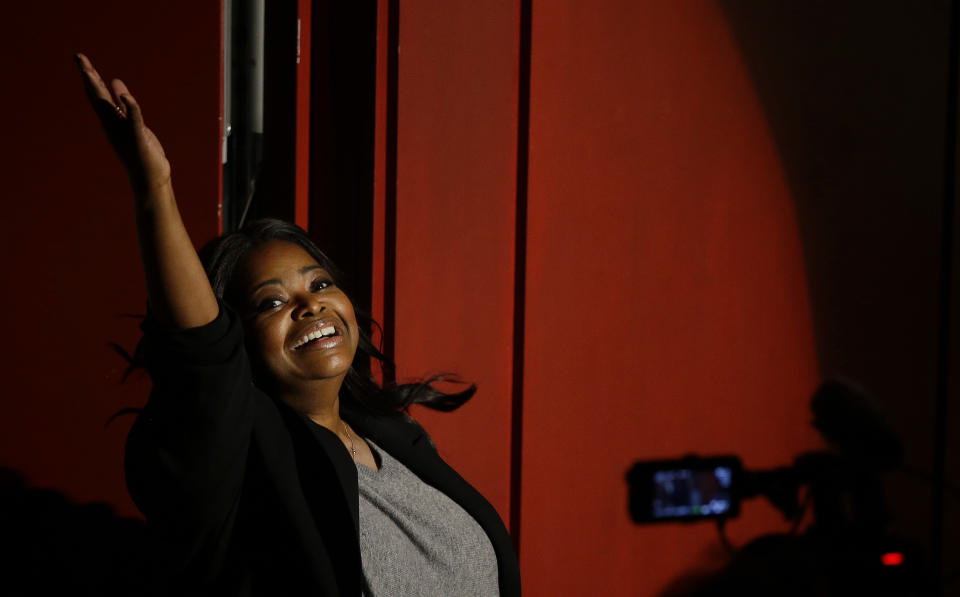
319	335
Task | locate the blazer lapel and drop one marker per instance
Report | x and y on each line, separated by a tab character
280	466
327	477
343	464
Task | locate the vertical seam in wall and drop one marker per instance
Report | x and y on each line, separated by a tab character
221	142
946	270
302	107
390	191
520	270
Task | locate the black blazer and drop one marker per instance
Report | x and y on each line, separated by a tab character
245	496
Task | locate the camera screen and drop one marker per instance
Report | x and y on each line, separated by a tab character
692	493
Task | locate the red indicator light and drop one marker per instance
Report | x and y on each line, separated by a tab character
892	558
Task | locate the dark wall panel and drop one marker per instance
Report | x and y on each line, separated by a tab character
857	101
70	262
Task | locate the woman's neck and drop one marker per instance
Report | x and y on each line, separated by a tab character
319	400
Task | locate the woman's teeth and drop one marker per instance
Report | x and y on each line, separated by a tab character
317	334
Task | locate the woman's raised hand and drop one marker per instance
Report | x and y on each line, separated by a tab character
177	287
136	145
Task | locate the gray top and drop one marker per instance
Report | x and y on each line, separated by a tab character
417	542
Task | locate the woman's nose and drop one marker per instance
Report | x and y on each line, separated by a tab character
308	306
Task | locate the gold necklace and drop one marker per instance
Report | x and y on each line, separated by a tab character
353	449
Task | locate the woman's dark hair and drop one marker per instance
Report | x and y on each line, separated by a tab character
221	257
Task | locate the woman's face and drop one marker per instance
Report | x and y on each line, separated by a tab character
301	326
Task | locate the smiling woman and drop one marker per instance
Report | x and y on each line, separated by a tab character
268	461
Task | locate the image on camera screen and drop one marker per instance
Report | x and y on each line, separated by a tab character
689	493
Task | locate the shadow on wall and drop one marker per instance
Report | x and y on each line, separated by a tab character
50	545
855	95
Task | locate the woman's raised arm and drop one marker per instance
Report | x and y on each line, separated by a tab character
177	287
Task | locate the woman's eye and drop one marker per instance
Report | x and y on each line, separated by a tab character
320	284
268	304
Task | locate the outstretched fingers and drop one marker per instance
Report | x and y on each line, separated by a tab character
119	90
91	77
132	109
100	97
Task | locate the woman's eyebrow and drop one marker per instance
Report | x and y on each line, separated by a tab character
279	282
276	281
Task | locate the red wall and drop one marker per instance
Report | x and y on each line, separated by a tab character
667	307
666	304
70	263
724	200
456	169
